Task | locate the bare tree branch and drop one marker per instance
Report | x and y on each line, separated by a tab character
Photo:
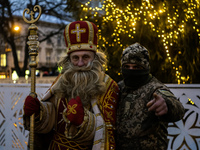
9	9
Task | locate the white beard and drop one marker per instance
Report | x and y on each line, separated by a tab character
85	82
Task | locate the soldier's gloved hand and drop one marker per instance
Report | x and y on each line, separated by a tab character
31	106
75	111
158	105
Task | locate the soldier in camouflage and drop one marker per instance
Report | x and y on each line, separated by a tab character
146	106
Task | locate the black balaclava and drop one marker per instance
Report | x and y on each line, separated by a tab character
136	54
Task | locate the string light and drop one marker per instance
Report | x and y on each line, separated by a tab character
148	14
190	101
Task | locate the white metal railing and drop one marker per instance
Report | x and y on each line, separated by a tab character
12	96
184	134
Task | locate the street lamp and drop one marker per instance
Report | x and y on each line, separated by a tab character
16	28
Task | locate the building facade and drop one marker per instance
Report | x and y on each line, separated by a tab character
49	52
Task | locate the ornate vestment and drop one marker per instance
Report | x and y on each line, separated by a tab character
97	130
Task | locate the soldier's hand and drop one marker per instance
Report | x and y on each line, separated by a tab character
158	105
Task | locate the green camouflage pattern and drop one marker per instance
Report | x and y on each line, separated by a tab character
136	54
139	129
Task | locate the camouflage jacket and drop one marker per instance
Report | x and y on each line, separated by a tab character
139	129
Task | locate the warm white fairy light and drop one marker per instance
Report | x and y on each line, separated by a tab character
148	13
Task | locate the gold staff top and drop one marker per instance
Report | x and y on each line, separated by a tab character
31	13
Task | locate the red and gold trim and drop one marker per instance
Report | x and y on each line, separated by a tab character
107	104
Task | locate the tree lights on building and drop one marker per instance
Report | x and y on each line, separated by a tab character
167	30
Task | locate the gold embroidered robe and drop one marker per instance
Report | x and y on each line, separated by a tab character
67	136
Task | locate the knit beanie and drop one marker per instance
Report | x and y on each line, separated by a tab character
136	54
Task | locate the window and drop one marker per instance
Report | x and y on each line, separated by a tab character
59	52
19	55
59	40
3	60
48	56
49	41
